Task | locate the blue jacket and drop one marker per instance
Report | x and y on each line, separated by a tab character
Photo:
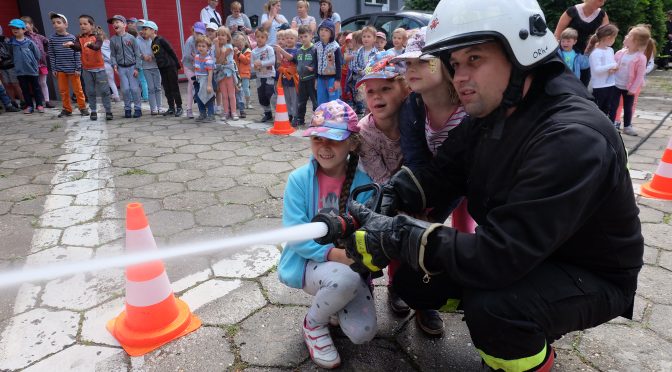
581	62
26	57
299	207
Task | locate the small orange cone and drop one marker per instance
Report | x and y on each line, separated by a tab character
153	316
660	187
281	124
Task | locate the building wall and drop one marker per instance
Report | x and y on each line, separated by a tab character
9	9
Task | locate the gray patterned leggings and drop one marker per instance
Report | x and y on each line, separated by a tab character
339	290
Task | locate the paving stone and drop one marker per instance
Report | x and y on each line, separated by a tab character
248	263
216	155
95	320
200	233
13	181
98	198
262	180
666	260
228	146
661	321
268	208
158	168
661	205
88	165
176	268
82	358
118	209
452	352
260	224
5	207
193	149
58	254
26	298
243	195
181	175
658	235
154	151
33	207
206	349
567	360
621	348
133	162
68	216
280	157
226	171
376	355
220	302
165	223
21	163
283	342
276	191
211	184
253	150
280	294
53	202
24	192
191	280
241	161
206	140
15	235
90	291
223	215
78	187
651	255
70	158
654	284
177	158
189	201
389	323
93	234
202	164
33	335
649	215
271	167
134	180
158	190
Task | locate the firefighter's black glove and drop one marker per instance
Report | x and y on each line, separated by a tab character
382	238
402	193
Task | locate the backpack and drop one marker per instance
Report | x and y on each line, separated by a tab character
6	56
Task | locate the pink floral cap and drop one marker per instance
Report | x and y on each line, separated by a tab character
381	66
414	47
334	120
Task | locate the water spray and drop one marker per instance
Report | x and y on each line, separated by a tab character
326	228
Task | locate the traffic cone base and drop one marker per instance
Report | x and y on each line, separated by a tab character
139	343
281	124
660	186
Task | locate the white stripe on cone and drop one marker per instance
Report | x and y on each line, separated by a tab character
148	292
280	100
664	170
281	116
140	240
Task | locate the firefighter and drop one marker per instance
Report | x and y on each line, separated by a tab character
559	246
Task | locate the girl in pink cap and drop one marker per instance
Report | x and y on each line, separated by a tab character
324	185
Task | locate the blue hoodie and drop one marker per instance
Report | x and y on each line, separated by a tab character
299	207
26	57
329	58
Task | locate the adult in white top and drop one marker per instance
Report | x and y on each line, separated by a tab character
272	20
327	12
210	14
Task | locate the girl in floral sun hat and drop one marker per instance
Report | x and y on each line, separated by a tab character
324	185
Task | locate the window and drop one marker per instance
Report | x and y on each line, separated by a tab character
355	25
375	2
387	24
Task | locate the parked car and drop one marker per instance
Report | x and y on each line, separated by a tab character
388	21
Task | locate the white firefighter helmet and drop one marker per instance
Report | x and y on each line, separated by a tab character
519	24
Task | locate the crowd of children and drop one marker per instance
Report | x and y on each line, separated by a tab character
616	78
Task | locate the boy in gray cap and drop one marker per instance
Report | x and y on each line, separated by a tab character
125	58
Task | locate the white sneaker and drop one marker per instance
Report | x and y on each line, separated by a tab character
321	347
630	131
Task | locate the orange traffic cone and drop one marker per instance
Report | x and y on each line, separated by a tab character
660	186
153	315
281	124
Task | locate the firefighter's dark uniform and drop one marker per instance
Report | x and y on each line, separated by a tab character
558	247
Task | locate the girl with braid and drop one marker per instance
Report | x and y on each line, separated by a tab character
324	185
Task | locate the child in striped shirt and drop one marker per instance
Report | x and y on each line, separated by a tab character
66	65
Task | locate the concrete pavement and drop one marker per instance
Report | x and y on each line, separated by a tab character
63	188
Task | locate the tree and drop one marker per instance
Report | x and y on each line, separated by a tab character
422	4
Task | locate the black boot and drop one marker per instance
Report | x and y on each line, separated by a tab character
268	116
397	305
430	322
169	112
